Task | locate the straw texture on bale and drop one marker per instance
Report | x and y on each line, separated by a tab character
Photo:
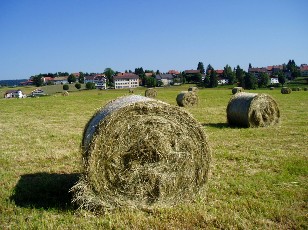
187	99
193	89
150	92
285	90
252	110
141	153
237	90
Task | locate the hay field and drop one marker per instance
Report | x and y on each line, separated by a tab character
258	176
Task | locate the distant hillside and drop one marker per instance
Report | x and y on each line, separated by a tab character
11	82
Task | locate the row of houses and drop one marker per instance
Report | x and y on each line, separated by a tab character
131	80
19	94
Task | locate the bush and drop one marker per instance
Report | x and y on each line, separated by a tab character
78	85
66	87
90	85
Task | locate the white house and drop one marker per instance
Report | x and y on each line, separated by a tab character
99	80
126	80
274	80
167	79
14	94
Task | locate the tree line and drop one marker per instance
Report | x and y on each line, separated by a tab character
205	77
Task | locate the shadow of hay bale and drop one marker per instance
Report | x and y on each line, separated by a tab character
218	125
44	190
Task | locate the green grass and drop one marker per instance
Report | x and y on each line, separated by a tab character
258	176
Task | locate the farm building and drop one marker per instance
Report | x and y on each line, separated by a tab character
126	80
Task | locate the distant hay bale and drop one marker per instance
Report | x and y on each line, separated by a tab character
296	89
285	90
252	110
193	89
141	153
150	92
237	90
187	98
131	90
272	88
305	89
65	93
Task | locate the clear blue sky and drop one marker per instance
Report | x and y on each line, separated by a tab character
41	36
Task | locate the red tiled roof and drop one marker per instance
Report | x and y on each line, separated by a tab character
219	71
192	71
126	76
304	68
173	71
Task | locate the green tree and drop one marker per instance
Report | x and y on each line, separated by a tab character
229	74
206	81
201	67
37	80
77	85
71	78
150	82
213	79
240	74
139	71
196	78
281	78
251	81
66	87
263	80
109	74
209	68
81	77
90	85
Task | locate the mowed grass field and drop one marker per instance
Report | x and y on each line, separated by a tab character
258	176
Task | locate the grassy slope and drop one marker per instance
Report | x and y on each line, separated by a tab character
258	176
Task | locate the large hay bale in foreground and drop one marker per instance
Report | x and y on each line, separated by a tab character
150	92
237	90
141	153
193	89
252	110
187	99
285	90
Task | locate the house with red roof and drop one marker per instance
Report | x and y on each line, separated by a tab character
99	80
126	80
304	70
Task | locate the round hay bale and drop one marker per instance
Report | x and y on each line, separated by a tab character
252	110
141	153
131	90
193	89
296	89
65	93
285	90
150	92
187	98
305	89
272	88
237	90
